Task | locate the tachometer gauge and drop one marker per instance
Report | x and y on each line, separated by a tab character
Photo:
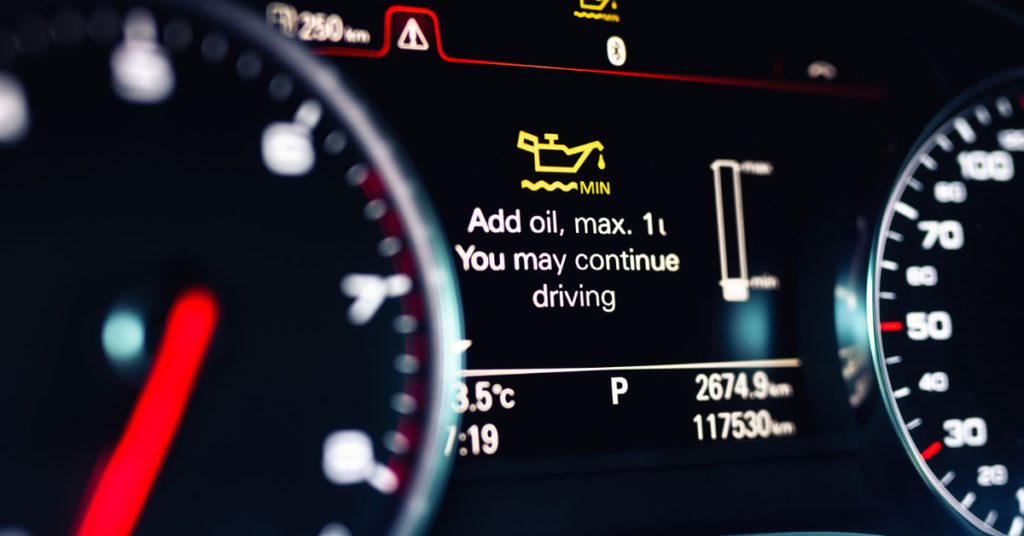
226	308
946	305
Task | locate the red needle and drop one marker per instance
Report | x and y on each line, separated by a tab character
121	491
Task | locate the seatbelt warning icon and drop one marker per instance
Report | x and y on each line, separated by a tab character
412	37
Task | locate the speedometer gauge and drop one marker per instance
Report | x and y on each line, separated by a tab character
946	306
226	308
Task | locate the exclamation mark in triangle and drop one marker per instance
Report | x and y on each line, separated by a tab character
412	37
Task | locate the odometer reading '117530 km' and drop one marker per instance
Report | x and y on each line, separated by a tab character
947	306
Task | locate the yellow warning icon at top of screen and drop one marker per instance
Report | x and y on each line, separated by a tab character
597	5
603	10
550	156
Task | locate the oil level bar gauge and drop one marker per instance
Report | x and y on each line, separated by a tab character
727	177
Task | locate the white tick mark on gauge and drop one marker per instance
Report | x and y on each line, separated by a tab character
335	142
916	184
335	529
1016	527
901	392
214	48
906	210
1004	107
894	236
407	364
389	246
406	324
947	478
375	210
887	295
280	87
124	337
914	423
991	517
968	500
890	265
249	65
983	117
309	114
383	479
944	142
894	360
403	403
14	116
963	128
928	162
357	175
140	67
396	442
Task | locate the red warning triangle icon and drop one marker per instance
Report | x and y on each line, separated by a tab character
412	37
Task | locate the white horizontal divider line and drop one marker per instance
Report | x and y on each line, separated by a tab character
791	362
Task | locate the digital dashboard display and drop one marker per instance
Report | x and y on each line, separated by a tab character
549	266
642	276
626	249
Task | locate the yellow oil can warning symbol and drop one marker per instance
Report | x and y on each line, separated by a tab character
548	152
550	156
602	10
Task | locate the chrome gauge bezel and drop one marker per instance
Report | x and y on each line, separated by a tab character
923	144
424	484
428	479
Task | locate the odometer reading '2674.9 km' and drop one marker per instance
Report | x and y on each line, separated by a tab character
947	302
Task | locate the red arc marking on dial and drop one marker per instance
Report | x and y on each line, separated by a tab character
115	504
931	451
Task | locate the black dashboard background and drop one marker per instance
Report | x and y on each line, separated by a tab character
850	474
